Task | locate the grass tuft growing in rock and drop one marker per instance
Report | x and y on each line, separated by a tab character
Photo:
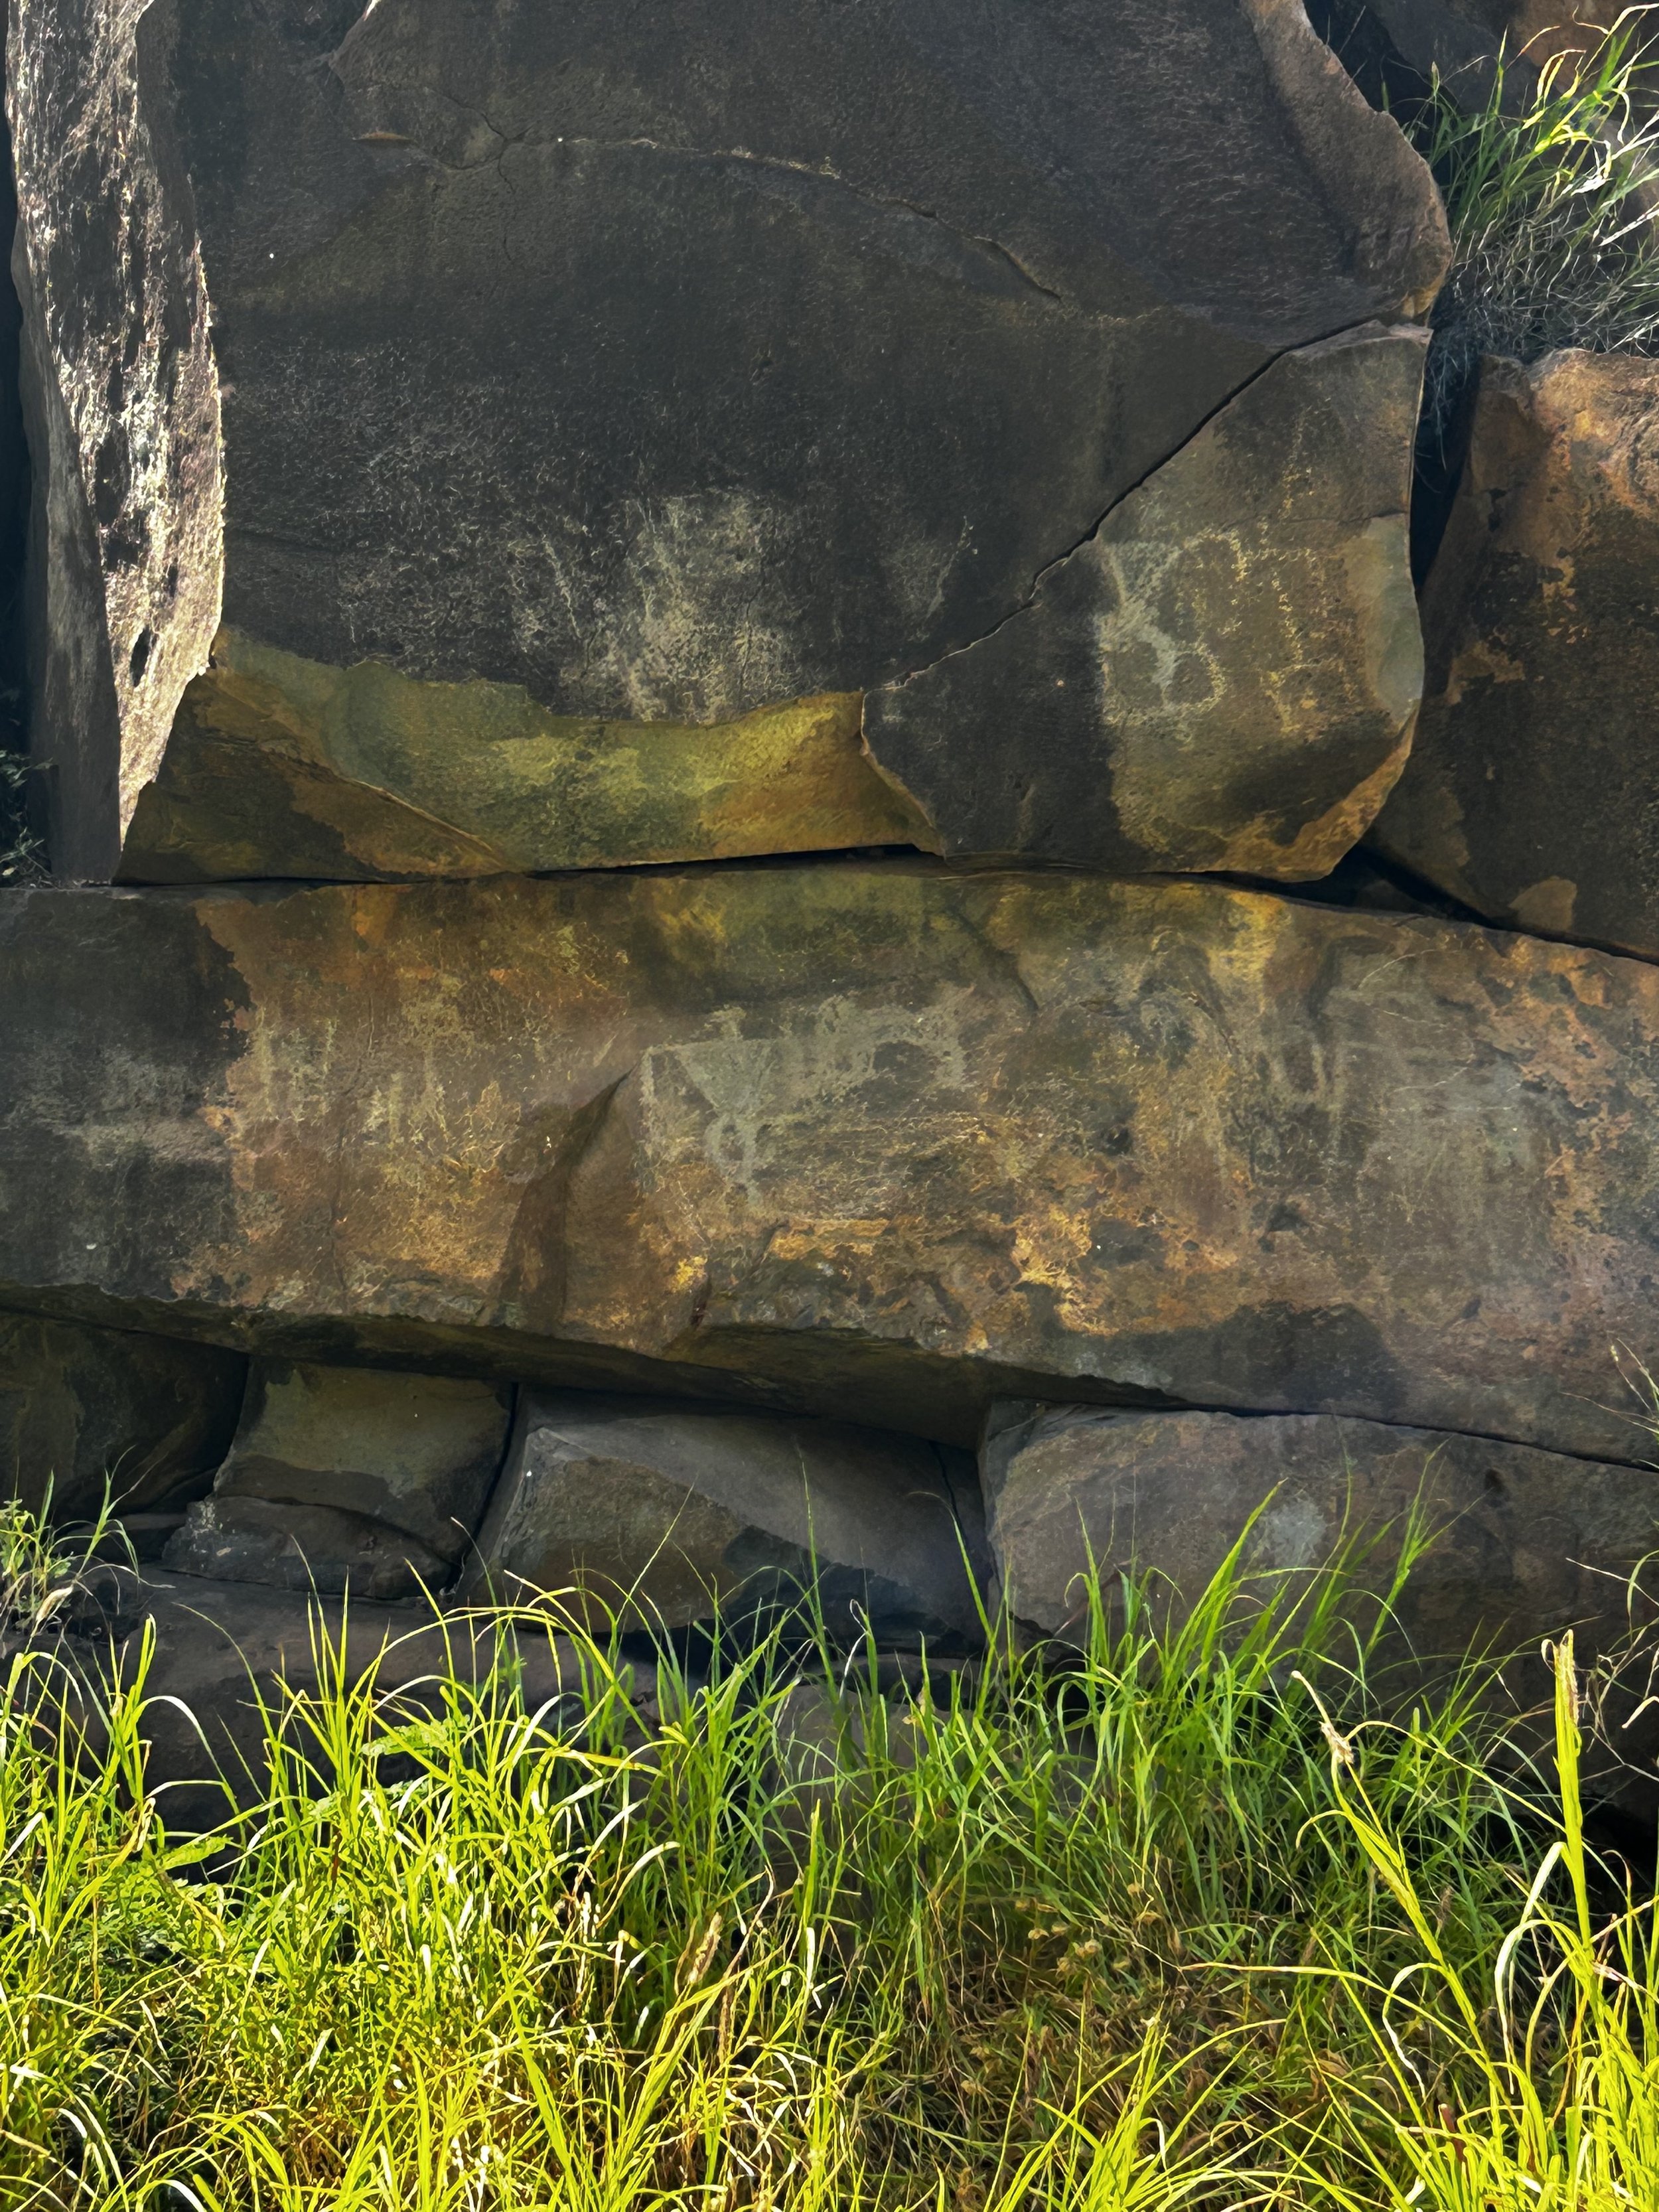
1548	197
1202	1917
21	860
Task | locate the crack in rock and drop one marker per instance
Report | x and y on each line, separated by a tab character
1060	559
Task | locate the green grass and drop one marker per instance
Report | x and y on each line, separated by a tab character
1548	199
1201	1918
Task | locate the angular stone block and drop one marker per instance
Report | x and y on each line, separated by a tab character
1532	792
871	1138
1225	675
79	1407
595	407
1533	1542
417	1452
658	1513
303	1547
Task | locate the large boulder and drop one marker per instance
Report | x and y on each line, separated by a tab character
1527	1543
84	1412
599	401
1531	793
418	1452
876	1137
1225	675
660	1515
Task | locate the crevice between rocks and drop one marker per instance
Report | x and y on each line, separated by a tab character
1060	559
17	845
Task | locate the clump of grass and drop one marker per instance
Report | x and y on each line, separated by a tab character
1113	1935
22	860
1537	2083
1548	197
44	1568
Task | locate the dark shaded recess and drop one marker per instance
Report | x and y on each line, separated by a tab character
1366	46
16	844
1366	880
1443	447
1362	42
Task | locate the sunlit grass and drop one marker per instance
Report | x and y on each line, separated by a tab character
1549	198
1202	1917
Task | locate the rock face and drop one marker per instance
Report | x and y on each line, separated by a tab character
80	1408
279	766
221	1646
874	1136
658	1515
1225	675
416	1452
1531	791
595	409
304	1548
1533	1542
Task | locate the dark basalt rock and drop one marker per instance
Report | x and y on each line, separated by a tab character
1226	674
1529	1544
880	1137
84	1409
419	1453
659	1516
628	368
1531	794
304	1548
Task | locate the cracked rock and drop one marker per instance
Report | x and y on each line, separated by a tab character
1225	674
655	1514
599	404
1529	1543
1531	794
418	1452
878	1137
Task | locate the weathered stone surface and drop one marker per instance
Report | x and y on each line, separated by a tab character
1225	675
1531	793
279	766
82	1406
872	1137
121	408
660	1513
1534	1542
417	1452
595	370
221	1646
300	1547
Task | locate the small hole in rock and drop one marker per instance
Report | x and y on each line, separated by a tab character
140	661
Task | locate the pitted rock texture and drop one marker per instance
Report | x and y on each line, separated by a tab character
82	1409
1529	1543
1226	674
611	369
657	1516
418	1452
872	1136
1532	793
121	408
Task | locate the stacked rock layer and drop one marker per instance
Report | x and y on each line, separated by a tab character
678	668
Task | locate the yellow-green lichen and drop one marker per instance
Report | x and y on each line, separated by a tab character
278	765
